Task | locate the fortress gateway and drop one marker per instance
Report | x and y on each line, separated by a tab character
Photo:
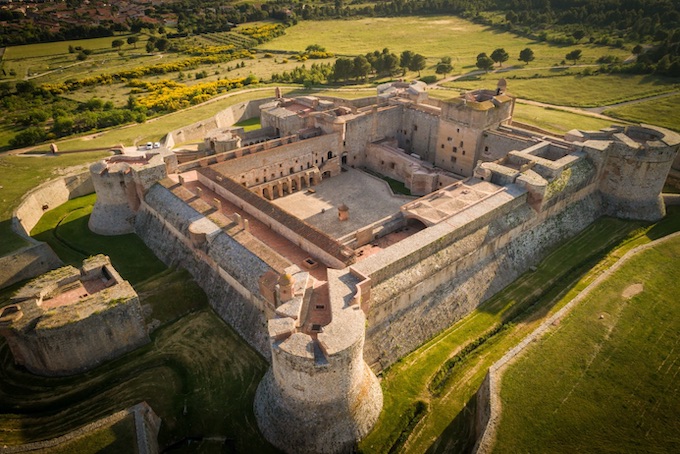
308	254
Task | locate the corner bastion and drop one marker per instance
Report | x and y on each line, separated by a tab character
68	320
121	182
319	396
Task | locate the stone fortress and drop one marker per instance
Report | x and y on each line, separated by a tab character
308	254
68	320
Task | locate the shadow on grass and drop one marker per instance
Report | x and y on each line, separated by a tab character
65	229
11	242
459	436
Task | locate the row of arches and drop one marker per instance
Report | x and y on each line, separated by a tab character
289	184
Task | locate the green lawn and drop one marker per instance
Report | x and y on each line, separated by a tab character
521	306
432	36
60	47
663	112
20	174
606	379
557	121
576	90
65	229
251	124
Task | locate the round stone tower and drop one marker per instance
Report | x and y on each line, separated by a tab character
319	396
121	182
117	200
634	172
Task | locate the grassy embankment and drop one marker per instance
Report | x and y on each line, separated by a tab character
18	175
517	310
606	378
65	230
198	375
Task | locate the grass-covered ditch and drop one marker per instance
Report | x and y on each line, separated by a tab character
446	372
197	374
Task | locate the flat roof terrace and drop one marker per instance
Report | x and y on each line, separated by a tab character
444	203
368	198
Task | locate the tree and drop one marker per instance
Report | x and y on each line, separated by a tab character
405	60
526	55
444	66
574	55
499	56
150	46
484	62
342	70
162	44
132	40
360	67
578	35
417	63
117	43
637	50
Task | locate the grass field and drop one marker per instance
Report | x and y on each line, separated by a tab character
521	306
606	379
432	36
663	112
19	174
557	121
575	90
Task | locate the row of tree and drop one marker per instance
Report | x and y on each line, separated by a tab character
378	63
500	56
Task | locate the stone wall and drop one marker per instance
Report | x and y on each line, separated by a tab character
319	395
449	277
69	345
47	196
371	126
283	160
227	271
418	132
197	131
27	262
38	258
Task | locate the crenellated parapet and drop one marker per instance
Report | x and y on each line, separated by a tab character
319	394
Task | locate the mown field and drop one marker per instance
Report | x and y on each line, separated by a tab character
197	374
574	89
557	121
432	36
606	378
663	112
483	337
